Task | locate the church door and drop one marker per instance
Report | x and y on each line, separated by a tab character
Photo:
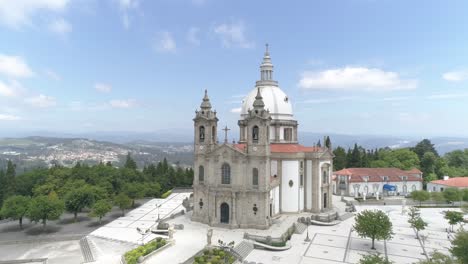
224	213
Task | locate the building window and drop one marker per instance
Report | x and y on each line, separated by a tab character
288	134
301	182
226	174
325	177
385	178
255	133
201	174
255	177
202	133
433	188
302	164
213	133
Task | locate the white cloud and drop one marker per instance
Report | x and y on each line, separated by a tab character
14	66
6	117
233	35
125	7
456	76
52	75
129	103
17	13
192	36
11	89
103	87
236	110
60	27
355	78
41	101
164	42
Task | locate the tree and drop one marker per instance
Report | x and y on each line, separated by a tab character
420	196
418	224
339	162
327	142
10	186
438	258
437	197
134	191
16	207
428	163
452	194
459	247
77	199
453	217
374	225
123	202
355	158
130	163
100	209
424	146
465	195
413	214
44	208
374	259
2	186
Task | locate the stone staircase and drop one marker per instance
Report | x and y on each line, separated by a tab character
300	228
86	250
243	249
345	216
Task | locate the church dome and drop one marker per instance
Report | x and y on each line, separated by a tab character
276	101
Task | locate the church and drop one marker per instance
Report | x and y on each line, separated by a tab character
267	172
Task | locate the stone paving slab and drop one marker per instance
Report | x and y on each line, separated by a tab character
331	240
326	252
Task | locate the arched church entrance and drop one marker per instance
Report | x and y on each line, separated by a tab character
224	213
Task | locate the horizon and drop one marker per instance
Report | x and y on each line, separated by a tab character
102	66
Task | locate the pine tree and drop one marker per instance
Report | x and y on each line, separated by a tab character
130	163
328	142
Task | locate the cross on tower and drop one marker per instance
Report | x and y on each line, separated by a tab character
226	129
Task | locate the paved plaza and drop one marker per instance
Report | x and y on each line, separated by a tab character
145	217
338	244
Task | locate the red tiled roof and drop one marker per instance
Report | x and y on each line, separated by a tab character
377	174
453	182
283	148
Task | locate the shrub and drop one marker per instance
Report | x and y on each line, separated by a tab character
132	256
166	194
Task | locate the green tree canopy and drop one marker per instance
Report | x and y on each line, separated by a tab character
123	202
460	246
374	259
100	209
425	146
438	258
374	224
339	162
452	194
77	199
44	208
420	196
453	217
16	207
130	163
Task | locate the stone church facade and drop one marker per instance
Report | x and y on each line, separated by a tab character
267	172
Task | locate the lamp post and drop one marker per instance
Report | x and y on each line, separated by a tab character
142	233
157	207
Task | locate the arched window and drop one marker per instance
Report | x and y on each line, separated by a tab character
201	174
202	133
325	177
255	177
213	133
226	174
255	133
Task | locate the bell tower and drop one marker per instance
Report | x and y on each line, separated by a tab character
205	127
256	127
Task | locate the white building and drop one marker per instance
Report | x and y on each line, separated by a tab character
376	181
446	182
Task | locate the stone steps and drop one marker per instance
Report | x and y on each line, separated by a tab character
300	228
86	250
345	216
243	249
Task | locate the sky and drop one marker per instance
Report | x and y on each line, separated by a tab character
376	67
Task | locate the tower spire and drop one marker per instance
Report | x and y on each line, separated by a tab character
266	69
206	104
258	103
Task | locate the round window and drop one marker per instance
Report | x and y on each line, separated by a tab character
291	183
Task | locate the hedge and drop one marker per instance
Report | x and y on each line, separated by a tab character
166	194
133	255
